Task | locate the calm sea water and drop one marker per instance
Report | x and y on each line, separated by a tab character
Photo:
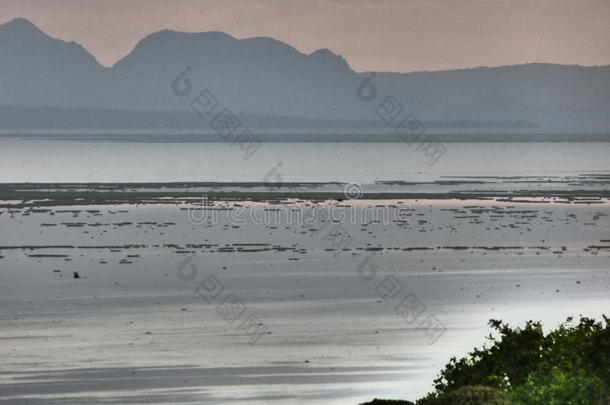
129	329
52	160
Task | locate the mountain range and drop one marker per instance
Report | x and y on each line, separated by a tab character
264	77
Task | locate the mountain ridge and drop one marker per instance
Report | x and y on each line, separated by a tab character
263	76
25	22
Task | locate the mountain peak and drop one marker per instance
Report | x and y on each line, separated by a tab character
171	38
20	26
327	56
181	34
19	21
323	52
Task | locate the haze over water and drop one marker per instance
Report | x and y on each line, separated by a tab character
40	160
164	238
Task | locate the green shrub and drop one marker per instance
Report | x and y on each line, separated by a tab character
388	402
567	366
473	395
524	366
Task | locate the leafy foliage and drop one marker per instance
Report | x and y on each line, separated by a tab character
468	395
567	366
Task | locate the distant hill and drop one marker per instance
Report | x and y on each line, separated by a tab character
266	78
38	70
20	117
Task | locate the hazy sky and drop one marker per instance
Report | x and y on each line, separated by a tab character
395	35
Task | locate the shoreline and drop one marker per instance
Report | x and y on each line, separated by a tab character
582	189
